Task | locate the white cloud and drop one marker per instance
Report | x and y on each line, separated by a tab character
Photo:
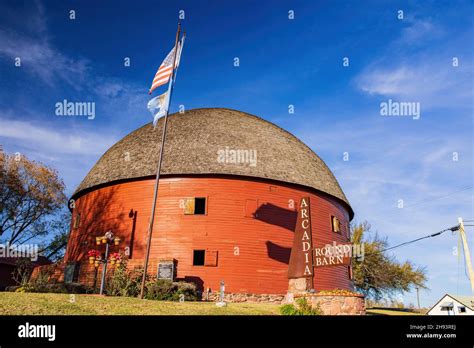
72	151
32	44
110	89
55	142
49	65
40	58
410	69
418	31
45	64
70	147
434	82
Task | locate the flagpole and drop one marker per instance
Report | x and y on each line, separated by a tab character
160	159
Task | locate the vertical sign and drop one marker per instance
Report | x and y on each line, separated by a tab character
301	258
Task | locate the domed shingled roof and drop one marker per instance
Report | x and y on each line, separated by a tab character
193	140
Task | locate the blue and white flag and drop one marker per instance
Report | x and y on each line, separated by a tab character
158	106
178	57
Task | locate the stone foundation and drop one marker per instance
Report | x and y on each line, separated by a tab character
252	298
297	285
332	304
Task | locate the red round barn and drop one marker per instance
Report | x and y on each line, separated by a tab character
227	203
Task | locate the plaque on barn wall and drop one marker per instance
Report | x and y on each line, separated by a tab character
167	269
71	271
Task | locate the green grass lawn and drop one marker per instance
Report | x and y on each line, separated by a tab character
63	304
389	311
12	303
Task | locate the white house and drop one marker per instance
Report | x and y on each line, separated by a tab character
453	305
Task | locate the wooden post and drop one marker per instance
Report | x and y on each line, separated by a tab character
467	254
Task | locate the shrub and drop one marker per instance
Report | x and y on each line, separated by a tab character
302	307
189	290
78	288
133	286
60	288
158	289
68	288
57	288
123	282
42	284
288	309
167	290
41	281
22	272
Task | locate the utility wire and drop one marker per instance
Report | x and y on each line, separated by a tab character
452	229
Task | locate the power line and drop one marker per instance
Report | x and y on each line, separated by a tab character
452	229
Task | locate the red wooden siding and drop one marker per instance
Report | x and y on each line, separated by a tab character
251	253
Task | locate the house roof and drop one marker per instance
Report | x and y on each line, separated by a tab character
12	261
467	301
193	140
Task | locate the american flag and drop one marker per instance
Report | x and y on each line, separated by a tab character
164	72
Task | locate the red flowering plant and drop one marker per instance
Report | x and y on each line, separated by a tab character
115	258
93	253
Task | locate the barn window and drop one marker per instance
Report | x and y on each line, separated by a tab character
195	206
336	224
200	206
199	257
462	309
77	220
211	258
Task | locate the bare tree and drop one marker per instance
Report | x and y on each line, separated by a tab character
31	193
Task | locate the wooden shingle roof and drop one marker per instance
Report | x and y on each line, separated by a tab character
192	143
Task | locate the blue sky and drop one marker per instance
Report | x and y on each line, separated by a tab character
282	62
